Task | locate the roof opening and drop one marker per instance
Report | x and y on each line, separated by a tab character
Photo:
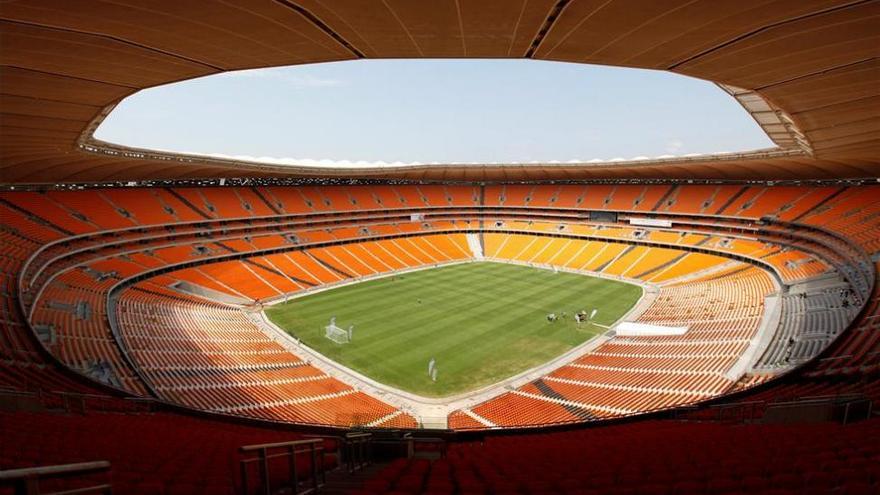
373	112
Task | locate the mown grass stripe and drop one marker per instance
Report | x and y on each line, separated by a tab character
482	322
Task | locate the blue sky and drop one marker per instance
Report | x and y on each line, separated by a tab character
437	111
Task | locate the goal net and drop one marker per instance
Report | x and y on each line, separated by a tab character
338	334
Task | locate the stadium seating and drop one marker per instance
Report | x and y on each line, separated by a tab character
65	285
627	375
651	457
224	362
136	284
63	261
150	453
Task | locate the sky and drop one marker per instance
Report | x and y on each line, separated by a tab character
445	111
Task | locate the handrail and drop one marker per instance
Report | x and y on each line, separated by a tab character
26	481
755	409
819	399
250	448
264	453
54	470
355	449
78	402
844	408
358	450
354	434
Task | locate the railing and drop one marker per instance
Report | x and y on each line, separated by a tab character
262	455
71	402
358	450
27	481
83	403
354	449
838	408
20	400
739	412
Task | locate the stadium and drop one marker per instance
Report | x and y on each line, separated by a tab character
180	324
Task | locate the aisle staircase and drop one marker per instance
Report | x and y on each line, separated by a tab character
476	246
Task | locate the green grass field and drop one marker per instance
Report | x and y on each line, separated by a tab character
482	322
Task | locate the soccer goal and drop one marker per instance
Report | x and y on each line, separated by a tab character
338	334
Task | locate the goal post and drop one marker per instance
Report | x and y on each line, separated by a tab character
338	334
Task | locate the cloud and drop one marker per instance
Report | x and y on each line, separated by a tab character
299	81
674	146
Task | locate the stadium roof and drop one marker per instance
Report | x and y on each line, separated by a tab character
807	70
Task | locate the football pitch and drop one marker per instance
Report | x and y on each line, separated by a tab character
480	322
